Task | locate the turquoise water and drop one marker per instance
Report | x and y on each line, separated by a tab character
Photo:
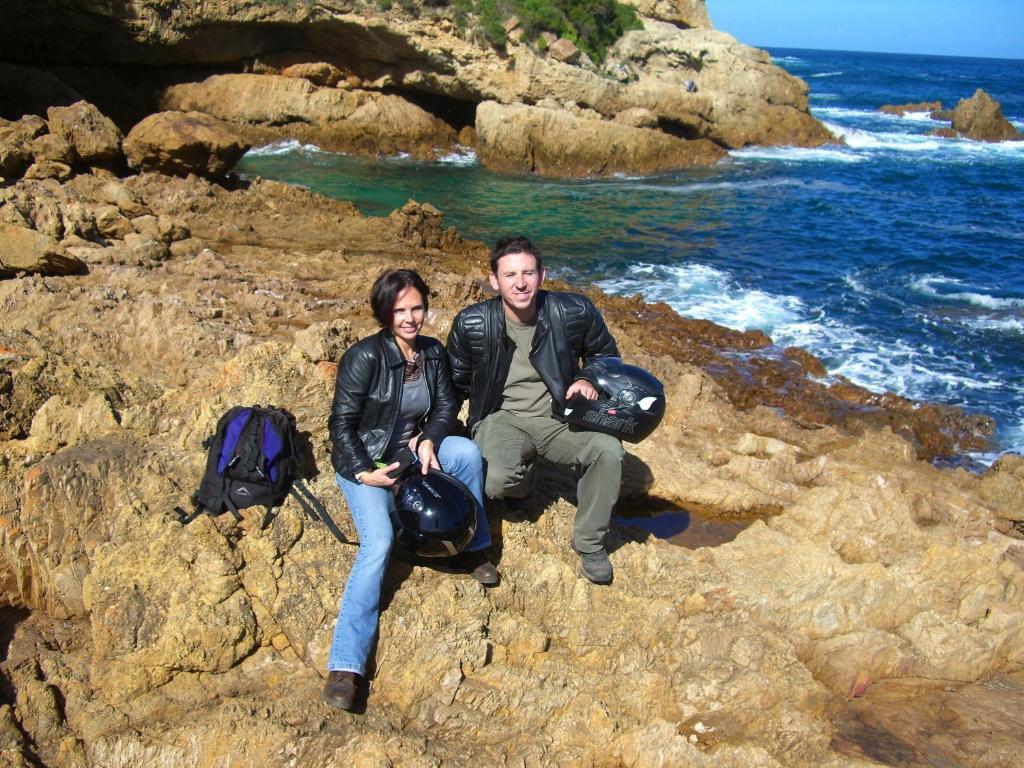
897	258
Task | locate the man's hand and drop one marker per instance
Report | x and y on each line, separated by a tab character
581	387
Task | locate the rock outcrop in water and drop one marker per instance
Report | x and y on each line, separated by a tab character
353	77
979	118
871	610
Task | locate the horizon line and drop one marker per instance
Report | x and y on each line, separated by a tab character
888	53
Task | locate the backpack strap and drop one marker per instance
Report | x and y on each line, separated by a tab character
311	504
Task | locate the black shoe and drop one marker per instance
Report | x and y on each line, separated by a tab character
340	690
477	564
596	566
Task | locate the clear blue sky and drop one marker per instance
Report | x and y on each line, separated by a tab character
993	28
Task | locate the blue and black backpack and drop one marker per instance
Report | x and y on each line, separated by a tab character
253	461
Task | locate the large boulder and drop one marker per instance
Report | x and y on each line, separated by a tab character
711	86
25	250
685	13
179	143
16	138
93	135
335	118
981	118
548	142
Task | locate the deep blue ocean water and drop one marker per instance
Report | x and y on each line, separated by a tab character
897	258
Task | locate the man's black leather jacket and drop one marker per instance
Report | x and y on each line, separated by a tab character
569	328
368	393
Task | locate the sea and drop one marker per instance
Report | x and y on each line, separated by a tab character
896	257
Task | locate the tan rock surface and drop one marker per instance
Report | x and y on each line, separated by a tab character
686	13
25	250
981	118
93	135
338	119
416	54
182	143
134	640
741	97
549	142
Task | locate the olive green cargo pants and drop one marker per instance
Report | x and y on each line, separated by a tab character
509	445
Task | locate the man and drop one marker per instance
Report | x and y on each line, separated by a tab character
517	358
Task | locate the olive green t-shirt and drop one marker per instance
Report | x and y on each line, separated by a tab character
525	394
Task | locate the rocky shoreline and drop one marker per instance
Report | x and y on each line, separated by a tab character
349	76
868	612
866	581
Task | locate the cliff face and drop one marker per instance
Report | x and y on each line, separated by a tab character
695	82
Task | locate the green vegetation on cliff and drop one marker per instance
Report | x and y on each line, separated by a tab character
592	25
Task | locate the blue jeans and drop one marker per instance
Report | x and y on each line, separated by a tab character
370	507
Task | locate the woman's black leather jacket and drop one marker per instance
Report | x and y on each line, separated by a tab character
368	393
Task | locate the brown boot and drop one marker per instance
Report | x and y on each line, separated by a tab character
477	564
340	690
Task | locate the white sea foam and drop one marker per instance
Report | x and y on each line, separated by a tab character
909	369
1008	325
462	156
846	113
827	74
856	138
920	117
798	154
853	282
788	60
701	291
284	148
928	285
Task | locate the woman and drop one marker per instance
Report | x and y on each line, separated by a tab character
393	389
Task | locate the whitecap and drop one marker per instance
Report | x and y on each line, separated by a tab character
856	138
919	117
827	74
1012	325
701	291
847	113
283	148
908	368
797	154
461	156
927	286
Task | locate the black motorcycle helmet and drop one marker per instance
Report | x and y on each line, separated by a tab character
435	514
630	403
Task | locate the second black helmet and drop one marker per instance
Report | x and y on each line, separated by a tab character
435	515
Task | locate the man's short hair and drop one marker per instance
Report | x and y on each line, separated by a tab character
387	288
514	244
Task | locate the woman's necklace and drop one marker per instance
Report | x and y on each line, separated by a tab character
412	367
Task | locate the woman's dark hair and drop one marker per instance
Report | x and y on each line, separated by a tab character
386	289
514	244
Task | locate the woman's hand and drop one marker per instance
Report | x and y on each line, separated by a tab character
378	477
428	459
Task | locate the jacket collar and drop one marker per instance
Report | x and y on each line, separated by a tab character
393	355
542	313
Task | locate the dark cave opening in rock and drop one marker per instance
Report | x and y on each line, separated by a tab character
679	130
458	113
